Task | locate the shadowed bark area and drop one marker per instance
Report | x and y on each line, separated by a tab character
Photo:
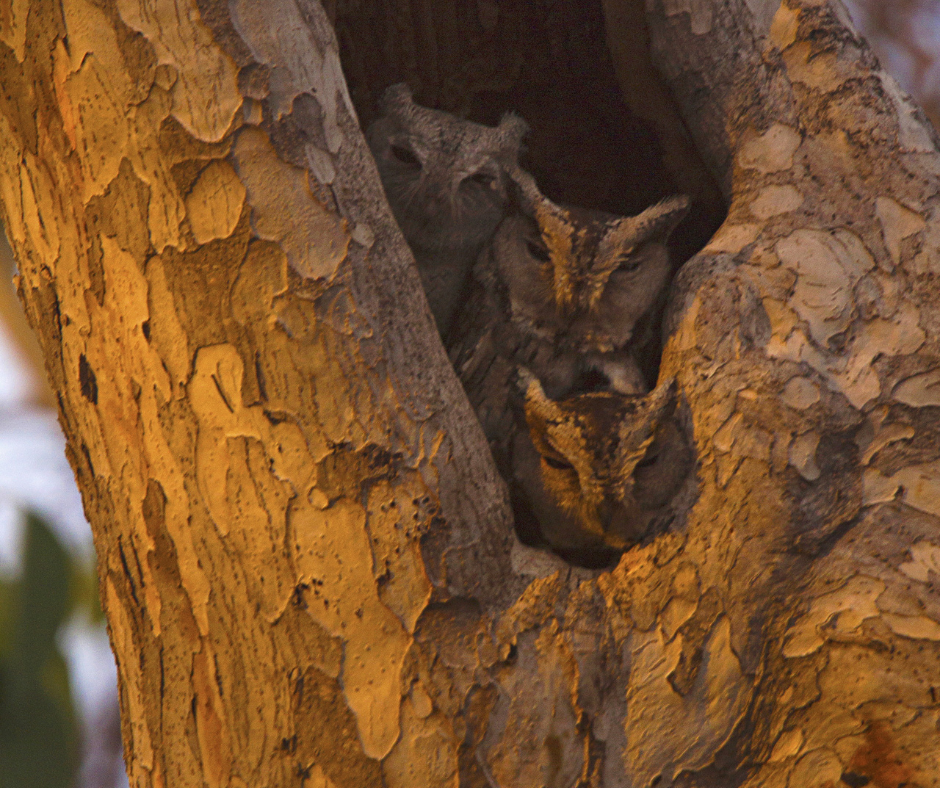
305	554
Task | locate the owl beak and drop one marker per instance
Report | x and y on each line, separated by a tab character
624	526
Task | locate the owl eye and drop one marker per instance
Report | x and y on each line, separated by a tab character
557	464
538	251
652	456
589	380
628	264
484	179
405	155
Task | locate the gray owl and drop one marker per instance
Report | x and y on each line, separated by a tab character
579	278
598	471
445	180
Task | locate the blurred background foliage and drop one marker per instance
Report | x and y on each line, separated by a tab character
905	34
59	725
38	734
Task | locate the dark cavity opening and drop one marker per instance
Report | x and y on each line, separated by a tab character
605	132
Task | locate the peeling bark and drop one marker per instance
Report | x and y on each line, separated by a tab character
305	553
822	280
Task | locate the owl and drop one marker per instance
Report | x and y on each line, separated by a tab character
446	182
598	471
487	346
560	291
579	278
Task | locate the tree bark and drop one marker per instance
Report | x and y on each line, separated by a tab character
822	281
305	553
262	421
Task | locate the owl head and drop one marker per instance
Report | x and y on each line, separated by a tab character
579	276
444	176
598	470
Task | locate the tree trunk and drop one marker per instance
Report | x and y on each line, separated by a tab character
306	556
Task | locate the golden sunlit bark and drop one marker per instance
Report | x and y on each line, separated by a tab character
211	313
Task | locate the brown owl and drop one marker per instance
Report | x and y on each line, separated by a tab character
559	291
579	278
598	471
446	182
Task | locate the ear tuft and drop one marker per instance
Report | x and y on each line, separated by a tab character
396	96
658	221
525	379
525	189
512	129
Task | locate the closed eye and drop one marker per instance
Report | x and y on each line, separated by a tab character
405	155
628	264
538	251
484	179
557	464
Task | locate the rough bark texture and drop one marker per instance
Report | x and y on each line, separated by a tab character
305	555
259	413
822	283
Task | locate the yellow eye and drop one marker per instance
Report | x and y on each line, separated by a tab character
483	179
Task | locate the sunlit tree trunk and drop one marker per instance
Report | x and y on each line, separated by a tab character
807	330
305	554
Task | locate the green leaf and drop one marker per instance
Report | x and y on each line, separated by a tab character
37	726
37	736
44	593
